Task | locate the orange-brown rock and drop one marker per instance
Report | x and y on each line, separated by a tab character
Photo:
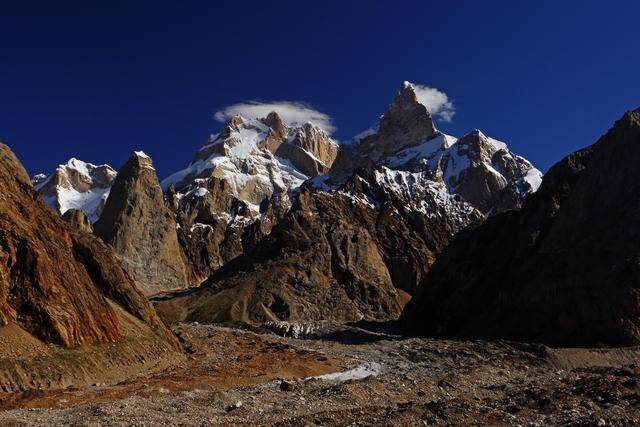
277	133
346	255
56	282
314	265
310	150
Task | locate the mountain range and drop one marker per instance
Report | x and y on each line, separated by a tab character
279	222
272	222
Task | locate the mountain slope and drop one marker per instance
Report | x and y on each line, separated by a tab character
236	187
480	170
258	158
69	313
56	280
562	271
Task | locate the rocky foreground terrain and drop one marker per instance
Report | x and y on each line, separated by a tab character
380	379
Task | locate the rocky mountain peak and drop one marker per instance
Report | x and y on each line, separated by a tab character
277	133
12	170
406	122
477	147
139	165
259	157
406	98
310	150
276	124
633	116
141	228
353	243
235	122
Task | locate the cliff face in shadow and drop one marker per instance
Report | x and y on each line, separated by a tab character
565	270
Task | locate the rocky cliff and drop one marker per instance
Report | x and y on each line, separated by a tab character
57	283
406	147
259	157
78	219
562	271
236	187
141	228
319	262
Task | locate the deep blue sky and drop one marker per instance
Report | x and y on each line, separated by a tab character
97	82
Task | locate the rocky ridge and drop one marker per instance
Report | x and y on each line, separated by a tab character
562	271
258	158
237	186
56	280
69	313
410	155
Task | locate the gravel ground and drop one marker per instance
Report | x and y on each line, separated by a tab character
386	380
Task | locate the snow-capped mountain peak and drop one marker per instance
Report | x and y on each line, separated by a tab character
76	185
478	169
258	157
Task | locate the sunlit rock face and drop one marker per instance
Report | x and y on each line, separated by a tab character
141	228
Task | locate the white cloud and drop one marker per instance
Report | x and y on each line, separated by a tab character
437	102
292	113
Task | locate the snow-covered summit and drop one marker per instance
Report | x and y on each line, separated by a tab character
406	147
76	185
257	158
480	169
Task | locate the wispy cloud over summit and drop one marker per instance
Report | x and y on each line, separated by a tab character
292	113
436	101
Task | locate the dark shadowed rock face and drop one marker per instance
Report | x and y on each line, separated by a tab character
56	282
211	223
141	228
565	270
